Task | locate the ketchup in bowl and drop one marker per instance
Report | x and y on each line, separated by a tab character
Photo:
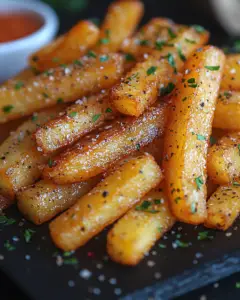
17	25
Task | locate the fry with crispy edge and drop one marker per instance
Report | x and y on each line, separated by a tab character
63	84
66	48
227	113
120	22
107	202
77	120
140	87
20	159
223	163
223	207
231	74
188	132
96	153
138	230
42	201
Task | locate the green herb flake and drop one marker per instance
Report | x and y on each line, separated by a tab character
108	110
96	117
167	90
143	42
67	253
199	182
70	261
157	201
129	57
181	244
91	54
190	41
78	63
45	95
212	140
237	285
237	45
143	206
72	114
55	59
9	246
59	101
191	80
50	163
103	58
199	28
180	54
34	117
193	208
7	108
192	83
159	45
227	94
177	200
105	40
171	61
238	148
204	235
18	85
151	70
201	137
28	233
6	221
235	183
162	246
171	34
212	68
138	147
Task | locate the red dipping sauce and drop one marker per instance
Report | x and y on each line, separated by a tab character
16	25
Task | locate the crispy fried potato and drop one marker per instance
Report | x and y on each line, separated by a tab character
42	201
223	163
96	153
227	113
19	157
67	48
120	22
140	87
223	207
231	74
78	119
137	231
107	202
66	84
188	132
23	75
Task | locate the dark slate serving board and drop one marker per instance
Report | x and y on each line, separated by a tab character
164	273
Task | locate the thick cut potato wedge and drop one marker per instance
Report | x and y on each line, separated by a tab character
95	154
78	119
137	231
19	157
120	22
140	87
42	201
224	159
188	132
63	84
67	48
227	113
223	207
231	74
107	202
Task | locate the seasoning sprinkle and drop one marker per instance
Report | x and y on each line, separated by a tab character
212	68
28	233
167	90
18	85
7	108
96	117
199	182
151	70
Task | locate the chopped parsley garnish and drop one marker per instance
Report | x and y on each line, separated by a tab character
78	63
235	183
7	108
34	117
72	114
157	201
227	94
133	76
9	246
50	163
162	246
238	148
201	137
199	182
199	28
151	70
47	73
28	233
193	208
96	117
180	54
59	101
138	147
171	34
171	61
45	95
108	110
237	285
105	40
70	261
190	41
167	90
56	59
159	45
212	140
18	85
212	68
192	83
181	244
143	42
6	221
67	253
145	206
129	57
91	54
103	58
204	235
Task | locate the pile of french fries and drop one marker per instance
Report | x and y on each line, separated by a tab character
120	130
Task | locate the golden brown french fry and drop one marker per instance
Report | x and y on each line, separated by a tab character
227	113
66	48
42	201
63	84
77	120
107	202
155	148
96	153
223	207
188	132
223	163
140	87
19	157
152	35
23	75
231	74
120	22
137	231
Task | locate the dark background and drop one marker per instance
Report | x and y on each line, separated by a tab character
181	11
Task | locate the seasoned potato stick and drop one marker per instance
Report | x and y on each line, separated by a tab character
107	202
120	22
20	159
231	74
140	87
188	132
78	119
224	159
95	154
67	48
23	75
227	113
223	207
89	76
137	231
42	201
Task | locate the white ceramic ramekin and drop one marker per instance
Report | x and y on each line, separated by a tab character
14	54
